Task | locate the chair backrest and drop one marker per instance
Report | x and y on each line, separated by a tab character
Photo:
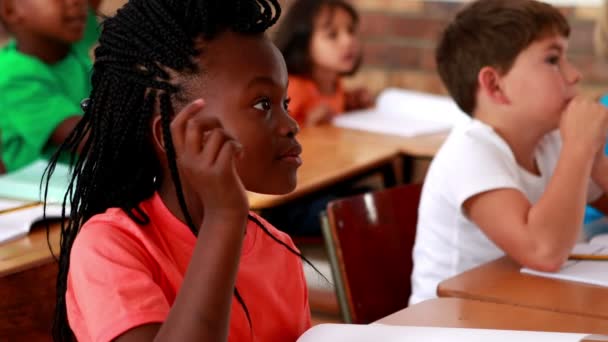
370	239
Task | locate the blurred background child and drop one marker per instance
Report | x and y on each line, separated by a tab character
319	40
44	74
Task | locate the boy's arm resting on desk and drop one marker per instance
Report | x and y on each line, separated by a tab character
538	236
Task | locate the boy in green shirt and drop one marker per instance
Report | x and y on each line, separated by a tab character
44	74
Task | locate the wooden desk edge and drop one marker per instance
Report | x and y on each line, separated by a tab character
34	252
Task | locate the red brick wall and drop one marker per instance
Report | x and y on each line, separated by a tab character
399	37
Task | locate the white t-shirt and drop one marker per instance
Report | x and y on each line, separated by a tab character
473	159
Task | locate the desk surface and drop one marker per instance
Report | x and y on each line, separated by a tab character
463	313
332	154
500	281
29	251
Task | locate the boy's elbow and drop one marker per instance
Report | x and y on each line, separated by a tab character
548	261
545	265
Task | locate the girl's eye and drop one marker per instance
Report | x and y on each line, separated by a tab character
286	103
263	105
552	59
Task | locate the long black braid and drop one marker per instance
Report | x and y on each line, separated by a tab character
117	167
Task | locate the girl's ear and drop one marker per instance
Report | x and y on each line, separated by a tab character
490	85
157	134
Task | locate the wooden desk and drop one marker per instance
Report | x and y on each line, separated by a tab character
500	281
29	251
463	313
27	286
332	154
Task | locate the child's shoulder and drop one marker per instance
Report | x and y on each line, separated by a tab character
113	225
15	65
473	138
105	236
471	151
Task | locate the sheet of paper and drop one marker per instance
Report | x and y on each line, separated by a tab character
585	271
389	333
24	184
17	223
405	113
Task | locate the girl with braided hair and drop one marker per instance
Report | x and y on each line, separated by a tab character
188	109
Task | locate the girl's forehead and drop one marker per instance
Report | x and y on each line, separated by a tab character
237	58
328	14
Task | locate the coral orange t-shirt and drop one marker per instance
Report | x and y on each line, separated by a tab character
123	274
305	96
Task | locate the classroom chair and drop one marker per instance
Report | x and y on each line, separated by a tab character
369	239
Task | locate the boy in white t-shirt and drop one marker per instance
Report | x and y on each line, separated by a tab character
516	179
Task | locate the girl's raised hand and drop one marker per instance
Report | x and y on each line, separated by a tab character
206	156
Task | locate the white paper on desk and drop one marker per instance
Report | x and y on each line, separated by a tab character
584	271
24	184
391	333
16	224
405	113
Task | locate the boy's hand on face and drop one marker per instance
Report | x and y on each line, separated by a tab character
206	156
322	114
585	123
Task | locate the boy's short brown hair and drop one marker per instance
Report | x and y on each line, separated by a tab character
491	33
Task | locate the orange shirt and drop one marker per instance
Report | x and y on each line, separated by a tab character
123	275
305	96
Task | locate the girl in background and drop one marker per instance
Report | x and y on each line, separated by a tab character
318	39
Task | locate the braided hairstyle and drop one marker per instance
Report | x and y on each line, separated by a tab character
140	48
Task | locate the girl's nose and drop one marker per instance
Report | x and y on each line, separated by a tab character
288	126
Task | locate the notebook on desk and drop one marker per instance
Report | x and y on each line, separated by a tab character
593	272
405	113
389	333
21	198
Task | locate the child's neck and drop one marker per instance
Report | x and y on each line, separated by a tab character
326	80
522	142
167	193
50	51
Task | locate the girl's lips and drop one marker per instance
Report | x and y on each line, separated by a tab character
292	155
296	160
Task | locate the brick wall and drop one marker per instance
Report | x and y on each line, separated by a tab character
399	37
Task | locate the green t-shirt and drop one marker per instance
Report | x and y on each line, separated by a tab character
36	97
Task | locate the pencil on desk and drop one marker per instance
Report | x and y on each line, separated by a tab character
20	207
588	257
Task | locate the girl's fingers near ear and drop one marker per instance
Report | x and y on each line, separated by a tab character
228	152
193	138
213	145
180	122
